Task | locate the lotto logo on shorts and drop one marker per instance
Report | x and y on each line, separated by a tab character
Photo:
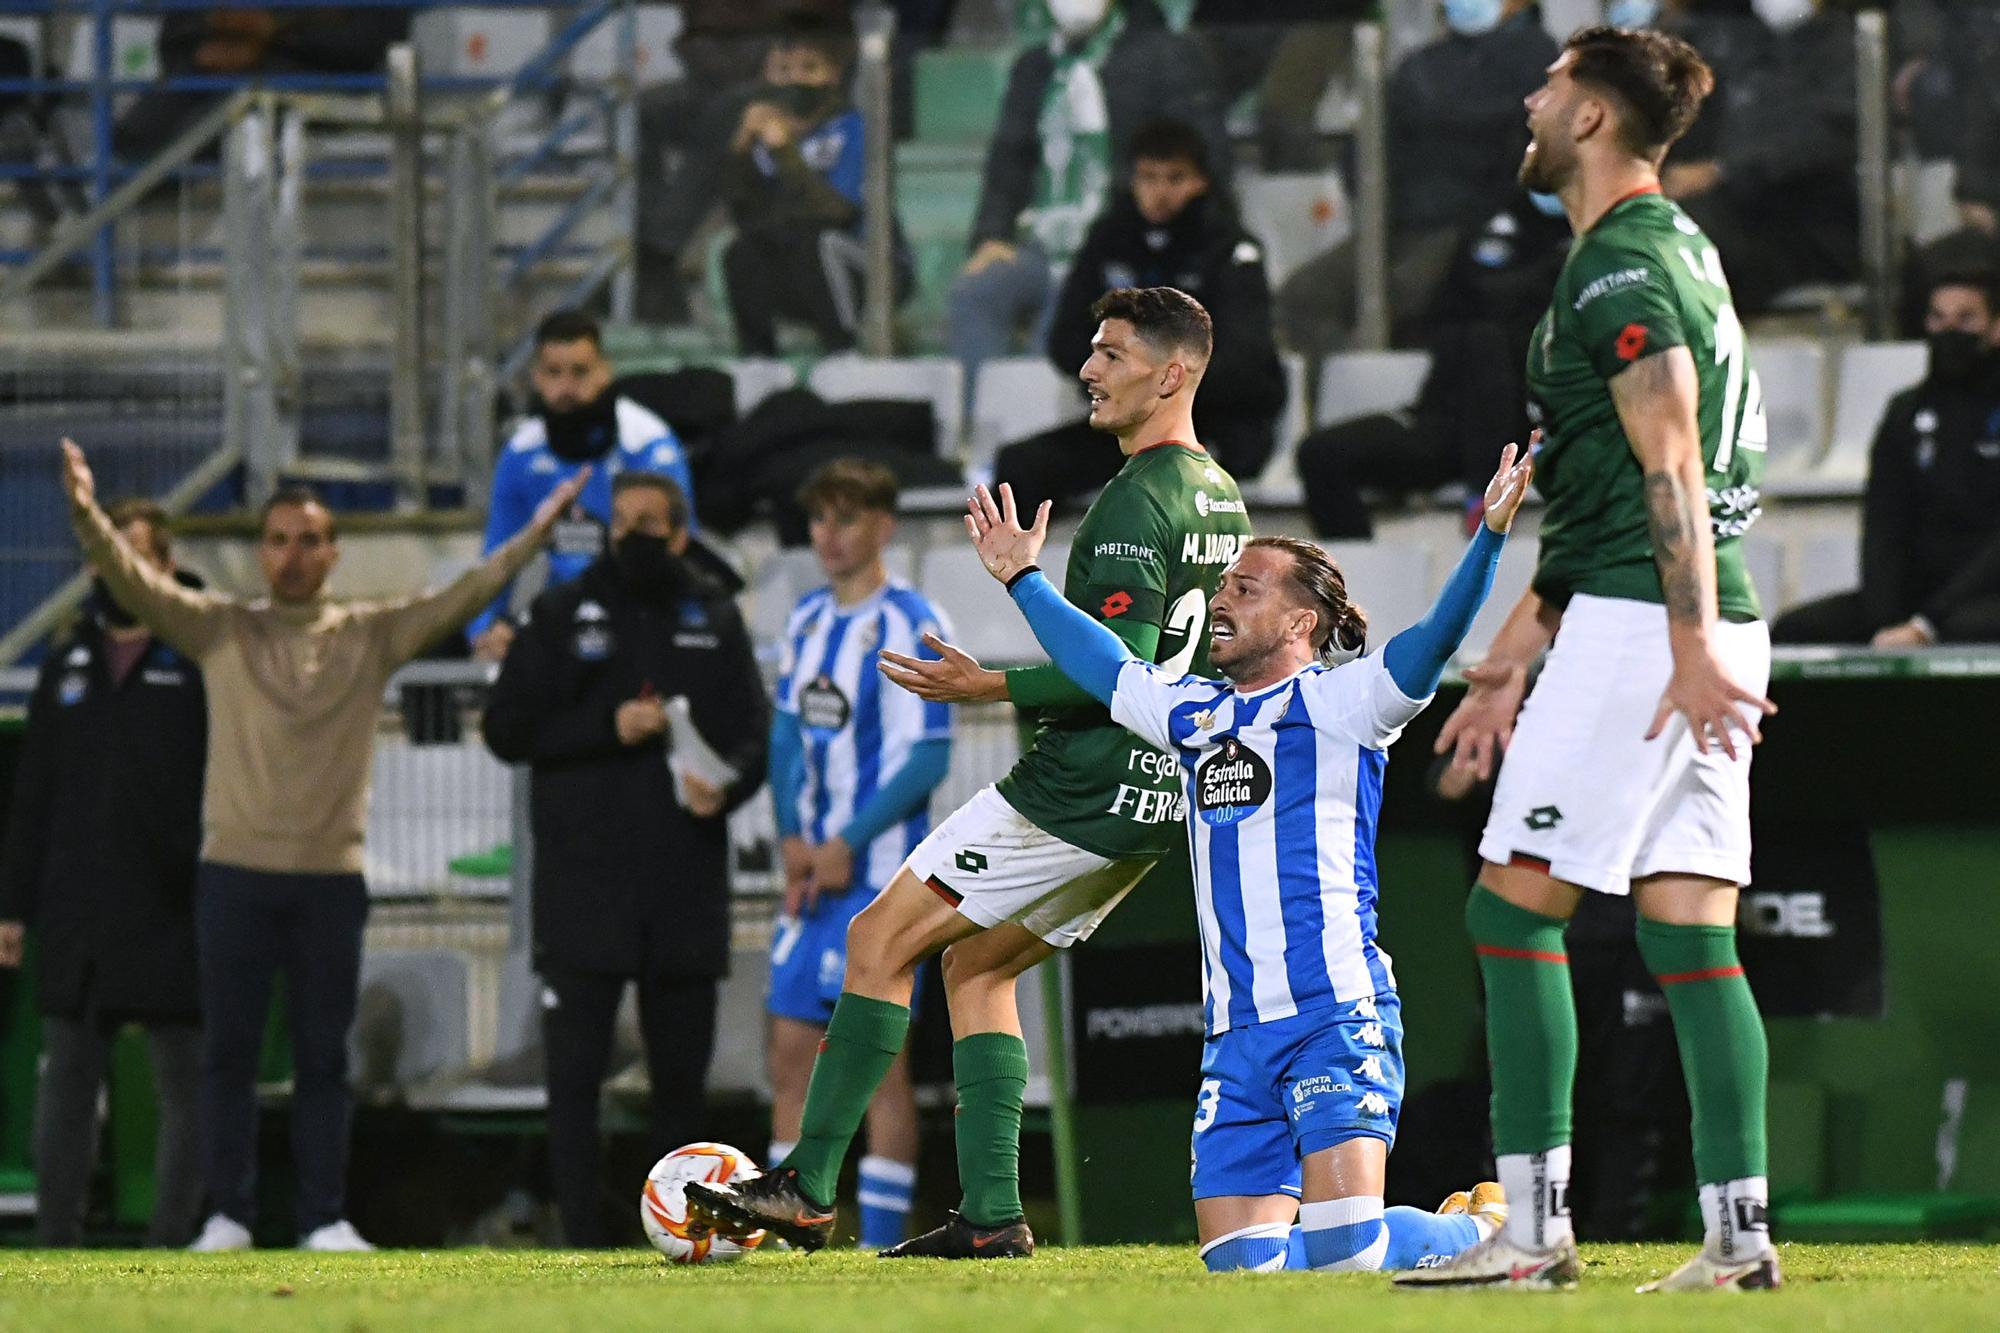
970	862
1543	817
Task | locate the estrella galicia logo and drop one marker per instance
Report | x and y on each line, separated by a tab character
1231	783
822	707
970	862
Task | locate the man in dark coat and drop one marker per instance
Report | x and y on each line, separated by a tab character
1171	229
99	862
631	850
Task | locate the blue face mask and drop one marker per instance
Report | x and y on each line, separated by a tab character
1548	205
1631	13
1470	18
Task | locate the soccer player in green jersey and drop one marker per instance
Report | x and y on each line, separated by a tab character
1036	862
1629	768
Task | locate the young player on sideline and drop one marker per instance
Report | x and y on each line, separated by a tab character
1035	863
1302	1073
853	766
1623	775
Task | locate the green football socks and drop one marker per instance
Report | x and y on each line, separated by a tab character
862	1040
991	1069
1530	1021
1723	1049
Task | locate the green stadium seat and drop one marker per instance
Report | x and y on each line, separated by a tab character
958	94
1887	1217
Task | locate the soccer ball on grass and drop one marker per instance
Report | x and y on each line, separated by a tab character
663	1203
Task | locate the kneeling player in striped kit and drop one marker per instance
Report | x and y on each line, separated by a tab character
1302	1075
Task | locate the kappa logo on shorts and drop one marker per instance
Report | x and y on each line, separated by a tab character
1543	817
970	862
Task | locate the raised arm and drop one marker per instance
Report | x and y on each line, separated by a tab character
191	621
1656	398
1415	658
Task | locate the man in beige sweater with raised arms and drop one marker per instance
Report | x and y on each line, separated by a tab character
294	683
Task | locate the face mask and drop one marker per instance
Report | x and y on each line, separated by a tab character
1956	356
1783	15
804	101
1078	18
105	607
586	433
1470	18
647	563
1632	13
1548	205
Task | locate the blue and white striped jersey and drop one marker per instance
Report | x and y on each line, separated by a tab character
858	729
1283	791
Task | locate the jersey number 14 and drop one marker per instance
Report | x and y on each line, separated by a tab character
1743	420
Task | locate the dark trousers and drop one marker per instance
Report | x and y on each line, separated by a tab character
811	276
677	1023
76	1055
1842	618
250	925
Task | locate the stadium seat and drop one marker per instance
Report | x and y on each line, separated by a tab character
1870	375
757	379
937	380
1297	217
1018	397
1792	373
1517	567
1829	564
1278	484
1354	384
1390	581
1764	557
958	93
984	621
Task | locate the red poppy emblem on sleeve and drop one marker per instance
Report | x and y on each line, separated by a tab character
1117	604
1631	342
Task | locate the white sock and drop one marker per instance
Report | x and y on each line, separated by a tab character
1735	1218
779	1150
1537	1186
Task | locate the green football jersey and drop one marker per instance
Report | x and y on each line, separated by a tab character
1641	281
1152	549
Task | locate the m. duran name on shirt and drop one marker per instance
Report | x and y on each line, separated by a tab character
1610	282
1211	548
1231	783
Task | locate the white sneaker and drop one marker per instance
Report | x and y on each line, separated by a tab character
336	1238
219	1235
1708	1272
1498	1262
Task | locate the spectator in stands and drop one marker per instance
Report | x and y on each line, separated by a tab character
1456	133
793	185
1287	51
246	43
1730	37
1171	228
294	685
99	862
631	851
1930	524
1776	189
579	426
1065	135
685	128
1475	391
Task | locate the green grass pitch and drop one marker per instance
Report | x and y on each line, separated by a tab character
1881	1288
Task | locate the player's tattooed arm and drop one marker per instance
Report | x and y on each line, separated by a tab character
1671	521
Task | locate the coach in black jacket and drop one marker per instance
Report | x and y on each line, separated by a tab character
1170	229
99	865
630	884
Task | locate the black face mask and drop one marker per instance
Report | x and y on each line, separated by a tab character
806	102
586	433
1957	357
649	566
105	608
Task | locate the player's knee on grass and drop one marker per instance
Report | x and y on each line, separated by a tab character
1260	1249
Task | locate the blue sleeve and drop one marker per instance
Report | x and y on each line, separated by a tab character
506	512
846	172
1081	648
908	789
678	473
1416	657
787	771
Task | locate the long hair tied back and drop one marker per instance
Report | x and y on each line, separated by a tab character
1342	629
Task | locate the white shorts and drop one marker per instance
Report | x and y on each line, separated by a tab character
994	866
1583	794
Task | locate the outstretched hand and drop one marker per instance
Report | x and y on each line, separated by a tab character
78	484
953	677
1005	547
1702	691
1509	486
557	503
